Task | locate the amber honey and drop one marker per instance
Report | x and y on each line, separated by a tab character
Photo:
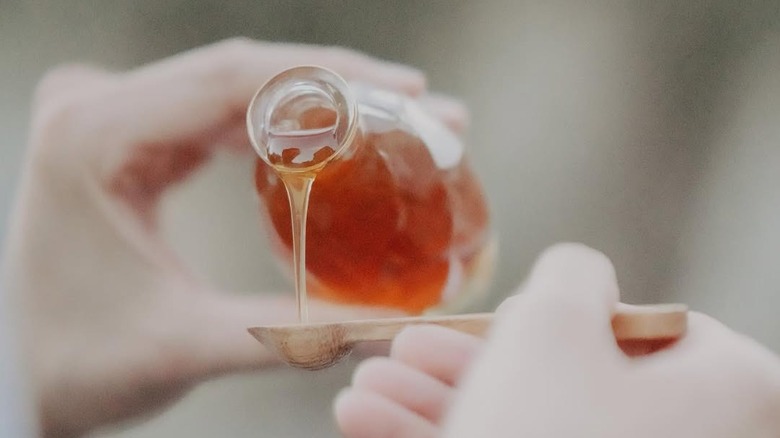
386	226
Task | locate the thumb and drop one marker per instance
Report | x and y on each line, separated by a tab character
565	308
222	344
546	350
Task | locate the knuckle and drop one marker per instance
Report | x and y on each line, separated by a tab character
57	117
62	79
52	79
56	127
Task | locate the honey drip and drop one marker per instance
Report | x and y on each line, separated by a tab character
307	148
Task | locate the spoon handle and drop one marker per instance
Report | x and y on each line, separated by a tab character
387	328
630	323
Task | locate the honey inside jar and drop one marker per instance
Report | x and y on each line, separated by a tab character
387	225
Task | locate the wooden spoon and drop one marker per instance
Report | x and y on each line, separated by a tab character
318	346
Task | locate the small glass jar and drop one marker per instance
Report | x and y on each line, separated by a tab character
396	217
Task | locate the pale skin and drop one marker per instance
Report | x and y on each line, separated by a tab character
551	367
115	326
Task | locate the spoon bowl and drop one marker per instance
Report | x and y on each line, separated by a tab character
308	346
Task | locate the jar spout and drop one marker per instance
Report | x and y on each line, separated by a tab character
302	118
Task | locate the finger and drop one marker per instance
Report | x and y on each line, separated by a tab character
705	337
715	362
144	176
356	66
575	277
703	332
708	345
567	302
196	91
406	386
441	353
447	109
218	330
362	414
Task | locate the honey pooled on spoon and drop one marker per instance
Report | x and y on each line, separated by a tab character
371	197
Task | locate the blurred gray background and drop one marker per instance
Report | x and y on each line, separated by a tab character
649	130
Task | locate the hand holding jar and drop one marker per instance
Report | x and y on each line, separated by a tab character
115	326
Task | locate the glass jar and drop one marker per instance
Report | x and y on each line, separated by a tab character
396	216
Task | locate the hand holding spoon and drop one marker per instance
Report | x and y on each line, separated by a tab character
318	346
